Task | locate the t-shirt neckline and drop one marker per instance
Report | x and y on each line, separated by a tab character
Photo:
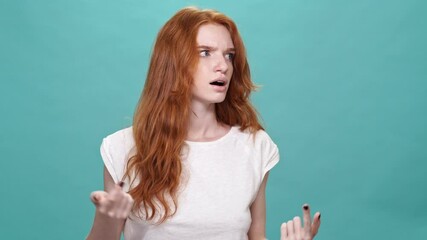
224	137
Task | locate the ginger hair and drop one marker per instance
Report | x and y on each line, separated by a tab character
161	117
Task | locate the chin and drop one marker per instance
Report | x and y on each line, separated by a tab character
211	99
219	100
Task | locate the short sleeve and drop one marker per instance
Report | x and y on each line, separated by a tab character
272	160
115	152
270	153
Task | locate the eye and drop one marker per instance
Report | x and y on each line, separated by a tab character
204	53
230	56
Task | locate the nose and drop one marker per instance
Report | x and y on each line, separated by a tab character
221	64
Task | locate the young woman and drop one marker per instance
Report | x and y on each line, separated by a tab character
195	163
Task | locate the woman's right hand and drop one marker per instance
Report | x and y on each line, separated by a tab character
116	203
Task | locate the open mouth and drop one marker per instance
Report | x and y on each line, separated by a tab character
218	83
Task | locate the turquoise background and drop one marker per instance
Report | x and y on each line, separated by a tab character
344	96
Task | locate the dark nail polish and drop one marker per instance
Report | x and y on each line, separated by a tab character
121	183
319	216
305	207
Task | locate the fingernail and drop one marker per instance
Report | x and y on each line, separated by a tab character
121	183
305	207
320	215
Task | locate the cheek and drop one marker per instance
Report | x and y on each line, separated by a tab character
198	73
230	69
202	69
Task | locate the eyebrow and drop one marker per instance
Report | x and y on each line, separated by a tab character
213	48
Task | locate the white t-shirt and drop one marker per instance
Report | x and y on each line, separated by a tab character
222	179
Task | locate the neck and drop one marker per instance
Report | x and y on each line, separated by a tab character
203	124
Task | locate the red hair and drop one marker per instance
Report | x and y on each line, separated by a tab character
161	117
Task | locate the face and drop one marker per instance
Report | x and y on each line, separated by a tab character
215	67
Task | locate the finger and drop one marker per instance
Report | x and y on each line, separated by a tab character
297	227
129	206
307	219
124	204
97	196
120	201
117	187
101	200
106	206
316	224
116	194
283	232
290	228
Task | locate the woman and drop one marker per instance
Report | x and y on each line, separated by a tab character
195	163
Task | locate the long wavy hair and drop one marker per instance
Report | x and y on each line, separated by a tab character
161	118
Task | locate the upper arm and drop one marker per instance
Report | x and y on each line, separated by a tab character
108	180
258	213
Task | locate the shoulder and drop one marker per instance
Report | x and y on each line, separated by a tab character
259	141
257	138
120	135
119	140
118	145
261	146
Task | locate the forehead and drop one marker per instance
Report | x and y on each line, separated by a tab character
214	35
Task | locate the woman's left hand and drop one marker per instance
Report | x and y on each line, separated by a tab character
293	230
